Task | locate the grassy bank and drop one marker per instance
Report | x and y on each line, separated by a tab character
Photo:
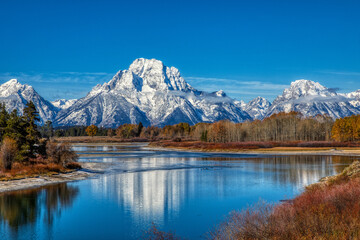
329	209
36	169
296	146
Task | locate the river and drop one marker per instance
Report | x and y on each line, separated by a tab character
185	192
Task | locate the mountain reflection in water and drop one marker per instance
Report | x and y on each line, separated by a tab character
181	191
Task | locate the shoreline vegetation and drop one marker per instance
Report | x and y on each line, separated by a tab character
25	153
87	170
32	156
308	148
328	209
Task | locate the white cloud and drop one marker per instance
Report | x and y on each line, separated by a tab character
66	85
238	88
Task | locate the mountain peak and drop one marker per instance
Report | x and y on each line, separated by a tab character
13	81
220	93
260	102
63	103
257	107
13	86
15	95
303	88
145	75
143	63
306	84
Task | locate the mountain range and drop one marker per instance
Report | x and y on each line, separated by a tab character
154	94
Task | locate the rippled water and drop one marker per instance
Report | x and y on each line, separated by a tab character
185	192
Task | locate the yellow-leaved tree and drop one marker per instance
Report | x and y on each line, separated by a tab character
91	130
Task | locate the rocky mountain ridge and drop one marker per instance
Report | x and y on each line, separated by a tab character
154	94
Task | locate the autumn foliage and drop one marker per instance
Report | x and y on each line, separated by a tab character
91	130
326	212
60	153
8	152
347	129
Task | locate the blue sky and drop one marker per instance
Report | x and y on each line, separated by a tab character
247	48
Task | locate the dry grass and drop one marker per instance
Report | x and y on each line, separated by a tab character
34	169
330	211
255	146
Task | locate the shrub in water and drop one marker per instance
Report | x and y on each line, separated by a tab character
60	153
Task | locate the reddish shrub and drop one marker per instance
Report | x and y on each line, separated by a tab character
331	212
155	234
60	153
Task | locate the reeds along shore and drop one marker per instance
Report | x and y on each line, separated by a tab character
329	209
326	210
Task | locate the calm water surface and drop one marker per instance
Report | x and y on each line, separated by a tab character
185	192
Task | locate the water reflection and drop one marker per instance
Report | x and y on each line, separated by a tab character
186	192
154	189
26	207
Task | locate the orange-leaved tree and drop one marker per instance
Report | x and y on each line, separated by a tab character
91	130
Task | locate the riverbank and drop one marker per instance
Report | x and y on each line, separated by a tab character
88	170
277	148
290	148
328	209
98	139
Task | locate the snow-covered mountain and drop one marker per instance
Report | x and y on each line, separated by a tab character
354	98
151	93
311	98
16	95
63	103
257	108
154	94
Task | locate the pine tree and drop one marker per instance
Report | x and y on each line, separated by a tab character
29	119
4	116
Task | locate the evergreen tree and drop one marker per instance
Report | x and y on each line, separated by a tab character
30	117
4	116
139	129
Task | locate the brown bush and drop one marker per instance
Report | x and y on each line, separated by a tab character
331	212
73	165
155	234
8	152
60	153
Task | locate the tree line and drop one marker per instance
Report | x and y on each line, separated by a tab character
281	127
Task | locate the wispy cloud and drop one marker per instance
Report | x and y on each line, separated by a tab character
66	85
322	99
344	73
241	89
60	77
